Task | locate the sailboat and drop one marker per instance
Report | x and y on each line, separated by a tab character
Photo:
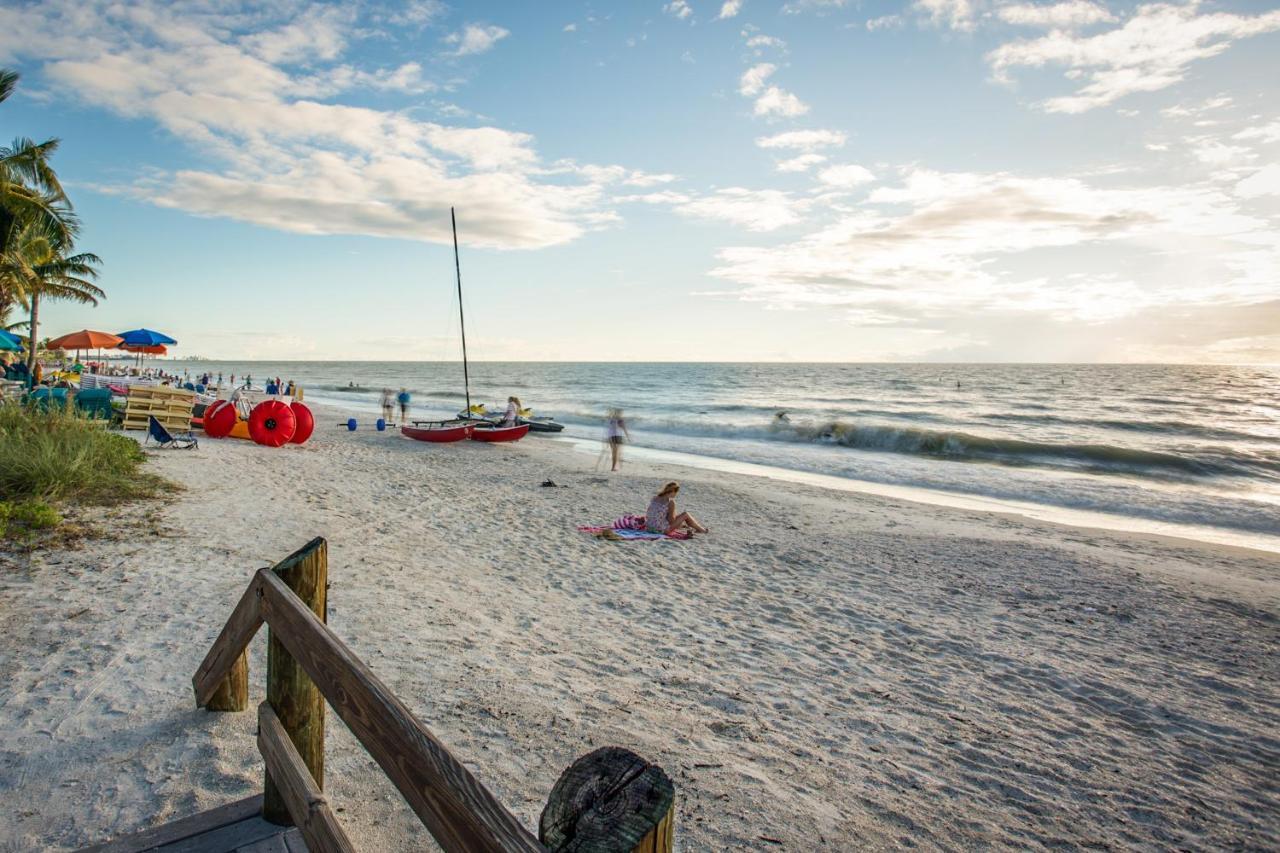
450	431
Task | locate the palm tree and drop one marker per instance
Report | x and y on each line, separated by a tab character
29	188
37	231
37	266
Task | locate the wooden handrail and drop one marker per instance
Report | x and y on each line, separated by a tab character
307	805
459	812
234	638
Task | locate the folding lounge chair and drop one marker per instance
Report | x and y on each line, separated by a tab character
164	438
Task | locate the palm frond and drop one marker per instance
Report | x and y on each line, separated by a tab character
8	82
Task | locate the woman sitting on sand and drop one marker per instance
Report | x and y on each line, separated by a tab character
661	516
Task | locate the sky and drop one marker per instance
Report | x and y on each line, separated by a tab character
737	180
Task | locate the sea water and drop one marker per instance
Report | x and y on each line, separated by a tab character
1196	446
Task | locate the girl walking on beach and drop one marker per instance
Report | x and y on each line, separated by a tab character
512	412
661	516
388	413
614	431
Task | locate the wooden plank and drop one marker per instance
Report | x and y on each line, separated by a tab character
271	844
231	643
307	805
178	830
227	838
293	840
460	813
290	691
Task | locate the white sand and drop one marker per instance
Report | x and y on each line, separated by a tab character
828	669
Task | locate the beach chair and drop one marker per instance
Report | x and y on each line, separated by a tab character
156	430
94	403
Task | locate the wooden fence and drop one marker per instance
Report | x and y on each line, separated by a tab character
608	800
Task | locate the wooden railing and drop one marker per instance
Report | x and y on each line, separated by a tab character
607	800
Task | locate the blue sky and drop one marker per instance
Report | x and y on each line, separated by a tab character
801	180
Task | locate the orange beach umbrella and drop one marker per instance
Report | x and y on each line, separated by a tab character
86	339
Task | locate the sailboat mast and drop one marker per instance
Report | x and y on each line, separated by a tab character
462	323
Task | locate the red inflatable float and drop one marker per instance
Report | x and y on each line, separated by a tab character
219	419
306	424
272	423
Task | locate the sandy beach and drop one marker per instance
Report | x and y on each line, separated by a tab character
825	669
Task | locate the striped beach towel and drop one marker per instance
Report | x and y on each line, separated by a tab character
630	528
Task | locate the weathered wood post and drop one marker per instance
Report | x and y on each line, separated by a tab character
610	801
295	699
233	692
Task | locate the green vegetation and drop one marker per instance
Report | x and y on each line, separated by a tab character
48	457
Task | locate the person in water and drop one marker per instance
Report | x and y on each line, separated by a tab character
615	431
512	412
403	399
661	516
388	407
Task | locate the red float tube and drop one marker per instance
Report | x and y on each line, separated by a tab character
306	424
272	423
219	419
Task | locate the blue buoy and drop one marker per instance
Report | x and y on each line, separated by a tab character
351	425
382	424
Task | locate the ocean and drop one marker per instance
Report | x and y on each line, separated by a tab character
1168	448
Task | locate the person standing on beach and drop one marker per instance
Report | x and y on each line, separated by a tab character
403	399
614	431
512	412
388	411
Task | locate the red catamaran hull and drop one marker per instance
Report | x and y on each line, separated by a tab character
484	433
439	435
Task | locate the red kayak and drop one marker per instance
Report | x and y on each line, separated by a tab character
481	432
439	434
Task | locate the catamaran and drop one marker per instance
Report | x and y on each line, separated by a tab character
459	430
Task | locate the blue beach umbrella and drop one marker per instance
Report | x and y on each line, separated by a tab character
9	342
145	338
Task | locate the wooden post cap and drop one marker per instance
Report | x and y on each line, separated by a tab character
609	801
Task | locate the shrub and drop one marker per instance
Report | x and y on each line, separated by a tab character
59	455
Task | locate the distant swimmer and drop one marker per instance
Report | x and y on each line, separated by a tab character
781	418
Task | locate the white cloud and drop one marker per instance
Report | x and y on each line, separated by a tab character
759	42
772	100
1266	133
803	140
476	38
1070	15
679	9
570	28
1211	152
802	163
846	176
729	9
884	22
1265	181
1150	51
779	102
755	210
752	81
277	147
953	14
938	243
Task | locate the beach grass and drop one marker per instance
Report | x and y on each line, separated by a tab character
55	456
